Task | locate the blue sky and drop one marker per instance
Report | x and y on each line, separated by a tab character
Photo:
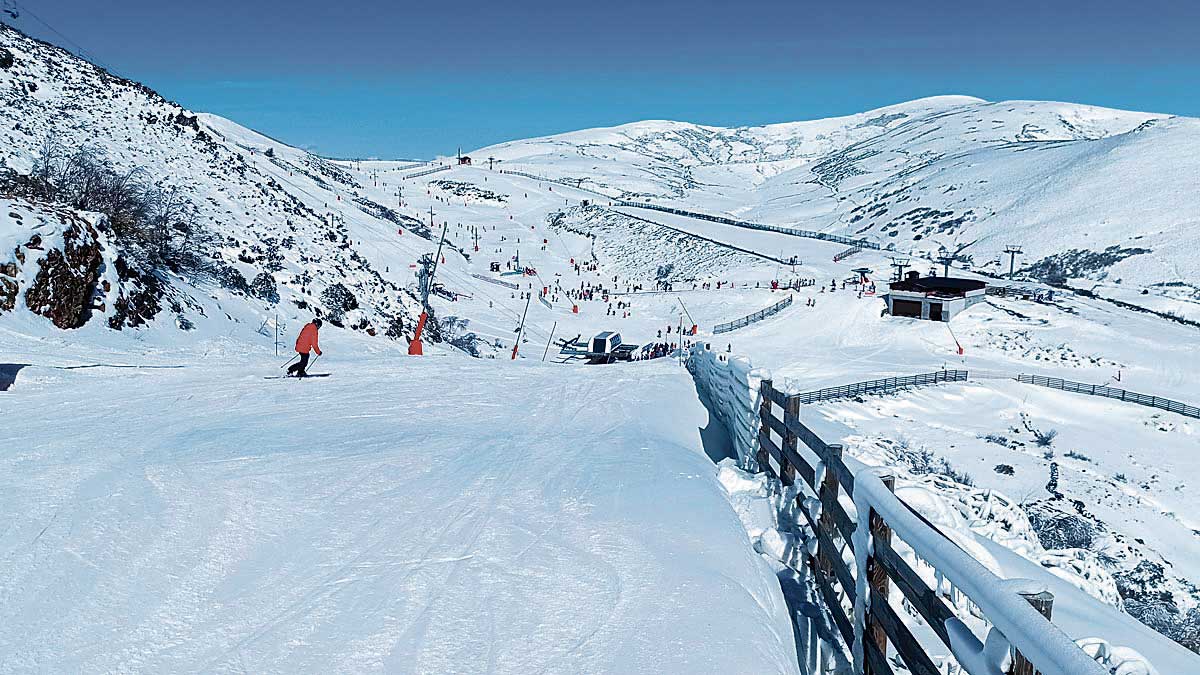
401	79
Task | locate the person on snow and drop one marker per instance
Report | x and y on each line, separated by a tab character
304	344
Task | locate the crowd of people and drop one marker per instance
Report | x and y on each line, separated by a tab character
655	350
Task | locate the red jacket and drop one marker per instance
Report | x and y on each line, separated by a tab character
308	340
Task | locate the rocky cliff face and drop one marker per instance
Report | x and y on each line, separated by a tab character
52	261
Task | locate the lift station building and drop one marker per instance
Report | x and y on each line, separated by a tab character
933	298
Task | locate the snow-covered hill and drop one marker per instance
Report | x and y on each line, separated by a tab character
1091	194
275	220
1096	197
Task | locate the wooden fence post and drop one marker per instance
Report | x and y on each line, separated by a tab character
828	495
791	413
764	421
1043	602
877	577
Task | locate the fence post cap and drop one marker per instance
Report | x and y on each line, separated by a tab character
1026	587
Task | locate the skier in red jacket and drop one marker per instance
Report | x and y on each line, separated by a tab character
304	344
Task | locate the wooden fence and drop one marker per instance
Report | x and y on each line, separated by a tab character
883	386
753	318
875	624
810	234
1110	392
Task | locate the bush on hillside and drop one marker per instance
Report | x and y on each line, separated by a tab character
154	227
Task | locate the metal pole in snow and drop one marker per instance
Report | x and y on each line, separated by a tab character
679	336
549	340
521	329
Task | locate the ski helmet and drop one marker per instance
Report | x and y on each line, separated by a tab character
317	323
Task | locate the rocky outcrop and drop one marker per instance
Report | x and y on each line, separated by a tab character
138	297
54	263
66	279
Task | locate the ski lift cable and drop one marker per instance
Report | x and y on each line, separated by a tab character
79	50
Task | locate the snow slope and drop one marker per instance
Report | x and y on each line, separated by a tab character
519	520
1092	194
1067	182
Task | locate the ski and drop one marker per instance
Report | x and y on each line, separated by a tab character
293	377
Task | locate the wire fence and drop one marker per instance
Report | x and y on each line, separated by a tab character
1110	392
752	318
498	282
426	172
847	253
566	182
809	234
884	386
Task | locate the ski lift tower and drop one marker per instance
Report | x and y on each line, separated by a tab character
1012	251
862	273
899	264
425	275
945	257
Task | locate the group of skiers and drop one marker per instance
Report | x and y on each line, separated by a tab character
655	350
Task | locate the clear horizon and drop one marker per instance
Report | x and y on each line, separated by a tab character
397	81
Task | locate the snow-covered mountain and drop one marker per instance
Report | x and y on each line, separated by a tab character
1098	199
1091	194
272	221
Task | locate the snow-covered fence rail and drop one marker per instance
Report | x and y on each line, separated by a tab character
753	318
498	282
883	386
1012	608
1110	392
426	172
809	234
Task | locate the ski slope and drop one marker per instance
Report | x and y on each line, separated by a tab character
179	512
512	520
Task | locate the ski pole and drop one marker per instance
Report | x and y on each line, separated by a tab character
314	361
290	360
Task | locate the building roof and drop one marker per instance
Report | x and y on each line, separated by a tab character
941	285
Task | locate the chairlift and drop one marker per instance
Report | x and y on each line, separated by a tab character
10	8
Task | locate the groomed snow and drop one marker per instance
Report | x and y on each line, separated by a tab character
404	515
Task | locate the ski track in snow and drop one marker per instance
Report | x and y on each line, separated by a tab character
262	526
